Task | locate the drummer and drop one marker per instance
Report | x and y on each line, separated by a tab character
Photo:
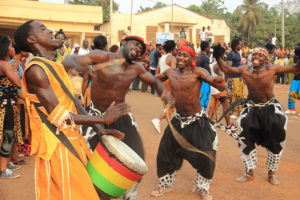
41	88
111	85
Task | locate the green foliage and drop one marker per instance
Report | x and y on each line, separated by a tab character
104	3
157	5
253	21
210	8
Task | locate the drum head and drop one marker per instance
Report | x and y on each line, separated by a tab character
125	154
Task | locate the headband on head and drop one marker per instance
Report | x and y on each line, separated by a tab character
139	39
190	50
262	51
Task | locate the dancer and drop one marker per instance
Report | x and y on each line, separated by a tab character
59	174
111	83
191	122
262	120
166	61
10	128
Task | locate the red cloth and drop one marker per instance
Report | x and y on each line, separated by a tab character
191	51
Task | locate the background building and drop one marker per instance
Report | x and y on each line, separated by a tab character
146	24
77	21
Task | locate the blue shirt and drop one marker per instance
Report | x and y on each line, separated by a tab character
154	55
235	58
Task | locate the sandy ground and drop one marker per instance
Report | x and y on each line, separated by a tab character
228	166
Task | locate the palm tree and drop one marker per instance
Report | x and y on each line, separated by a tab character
250	13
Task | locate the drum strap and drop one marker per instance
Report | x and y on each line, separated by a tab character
78	105
61	136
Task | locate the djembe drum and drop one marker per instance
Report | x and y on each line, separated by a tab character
114	167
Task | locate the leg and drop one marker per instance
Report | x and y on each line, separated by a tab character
205	91
292	98
153	73
246	146
275	146
168	161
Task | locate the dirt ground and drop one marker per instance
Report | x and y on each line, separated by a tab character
228	165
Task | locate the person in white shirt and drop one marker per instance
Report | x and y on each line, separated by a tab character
203	34
85	48
273	40
165	62
75	50
209	35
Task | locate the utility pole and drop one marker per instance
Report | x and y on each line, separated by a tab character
282	23
172	15
110	19
131	17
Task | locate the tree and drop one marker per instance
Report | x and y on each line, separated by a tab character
210	8
157	5
251	14
104	3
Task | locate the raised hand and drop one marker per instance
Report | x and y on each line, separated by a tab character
114	112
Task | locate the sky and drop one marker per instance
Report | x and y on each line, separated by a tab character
125	5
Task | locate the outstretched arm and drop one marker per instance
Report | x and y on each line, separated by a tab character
217	82
227	69
288	69
155	82
81	63
163	76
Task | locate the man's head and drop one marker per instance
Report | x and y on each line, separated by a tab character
6	49
85	44
208	28
205	47
134	48
61	37
33	36
170	46
182	28
260	56
185	56
203	28
100	42
236	44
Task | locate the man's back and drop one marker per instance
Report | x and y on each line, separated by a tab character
203	61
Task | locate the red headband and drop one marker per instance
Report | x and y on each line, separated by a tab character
188	49
191	51
262	51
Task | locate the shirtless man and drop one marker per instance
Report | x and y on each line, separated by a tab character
191	122
110	84
262	120
41	88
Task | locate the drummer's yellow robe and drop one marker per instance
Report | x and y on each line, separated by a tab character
59	174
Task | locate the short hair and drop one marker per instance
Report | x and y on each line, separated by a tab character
269	47
157	45
100	42
4	44
204	45
235	42
21	35
114	48
169	45
61	32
